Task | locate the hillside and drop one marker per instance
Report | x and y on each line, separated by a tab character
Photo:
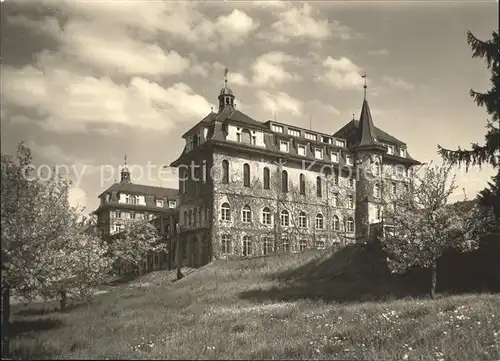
339	305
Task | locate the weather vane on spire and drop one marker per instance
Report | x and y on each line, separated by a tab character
225	75
364	76
125	160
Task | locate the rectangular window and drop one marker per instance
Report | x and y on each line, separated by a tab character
172	204
226	244
311	136
294	132
284	146
334	157
335	199
159	202
340	143
320	244
112	214
277	128
302	245
132	215
390	149
403	152
266	178
350	202
286	245
118	214
318	153
327	140
348	159
351	182
301	150
394	187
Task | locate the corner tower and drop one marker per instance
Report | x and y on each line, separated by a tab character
368	156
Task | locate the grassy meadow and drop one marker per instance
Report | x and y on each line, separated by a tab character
335	305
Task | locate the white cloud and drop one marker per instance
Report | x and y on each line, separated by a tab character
398	83
66	101
235	27
237	78
270	4
269	68
77	197
304	22
280	102
342	73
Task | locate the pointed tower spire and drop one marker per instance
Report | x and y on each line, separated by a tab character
367	134
125	173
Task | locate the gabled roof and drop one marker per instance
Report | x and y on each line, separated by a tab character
158	192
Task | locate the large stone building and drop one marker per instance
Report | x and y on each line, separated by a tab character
250	188
125	200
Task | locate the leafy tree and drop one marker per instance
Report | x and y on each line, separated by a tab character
138	239
43	244
424	225
489	153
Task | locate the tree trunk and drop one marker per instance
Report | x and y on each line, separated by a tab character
5	319
63	297
433	279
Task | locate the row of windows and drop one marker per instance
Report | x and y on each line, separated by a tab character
249	247
285	219
392	189
284	179
311	136
130	215
194	217
318	152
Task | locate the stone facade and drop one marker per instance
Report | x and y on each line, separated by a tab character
249	188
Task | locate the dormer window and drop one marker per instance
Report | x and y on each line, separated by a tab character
172	204
348	159
159	202
294	132
311	136
301	150
389	148
284	146
340	143
403	152
130	199
318	153
327	140
277	128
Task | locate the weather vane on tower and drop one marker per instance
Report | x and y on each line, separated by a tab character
364	76
225	75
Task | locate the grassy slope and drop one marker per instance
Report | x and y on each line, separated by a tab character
342	305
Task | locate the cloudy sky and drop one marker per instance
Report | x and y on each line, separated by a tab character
83	83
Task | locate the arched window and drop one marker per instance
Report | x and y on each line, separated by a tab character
246	175
186	218
267	246
190	218
350	224
285	218
200	216
225	212
319	190
225	171
266	216
319	221
376	190
247	246
302	184
226	244
302	245
284	181
246	137
302	220
376	168
350	202
195	216
336	223
266	178
246	214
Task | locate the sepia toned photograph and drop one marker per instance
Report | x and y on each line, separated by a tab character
254	180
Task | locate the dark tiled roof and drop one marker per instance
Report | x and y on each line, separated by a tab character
158	192
239	117
367	134
207	120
